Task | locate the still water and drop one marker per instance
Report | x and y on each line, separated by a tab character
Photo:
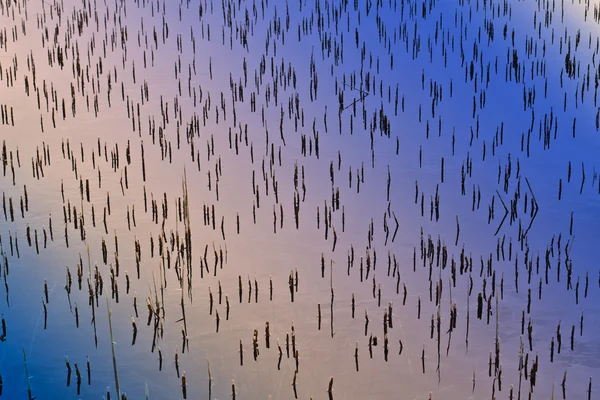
349	200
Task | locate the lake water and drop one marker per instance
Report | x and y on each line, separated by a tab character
363	151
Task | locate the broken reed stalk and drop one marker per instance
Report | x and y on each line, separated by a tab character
457	231
183	306
319	316
241	353
91	291
29	382
423	359
89	370
112	344
356	355
209	380
332	295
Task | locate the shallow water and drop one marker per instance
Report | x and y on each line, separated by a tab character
266	250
